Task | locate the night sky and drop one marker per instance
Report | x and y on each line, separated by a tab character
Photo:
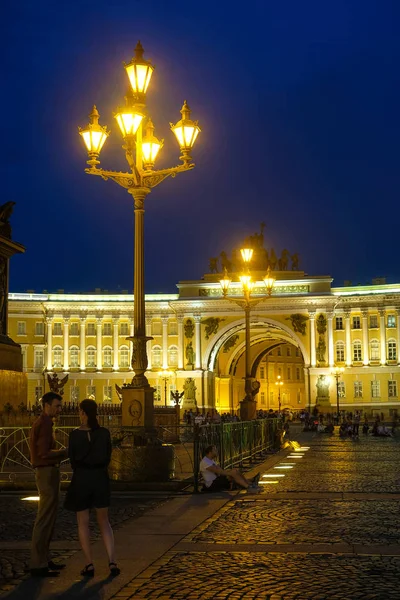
299	107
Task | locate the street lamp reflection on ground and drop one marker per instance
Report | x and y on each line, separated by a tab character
337	372
165	376
141	152
279	383
248	405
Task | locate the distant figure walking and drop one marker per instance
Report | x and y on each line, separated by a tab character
90	454
45	460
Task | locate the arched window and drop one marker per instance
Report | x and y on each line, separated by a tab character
173	356
156	356
74	357
357	354
107	356
392	350
374	350
90	356
340	351
57	357
124	357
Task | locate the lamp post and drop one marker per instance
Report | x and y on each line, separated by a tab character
279	383
337	373
140	152
165	376
248	404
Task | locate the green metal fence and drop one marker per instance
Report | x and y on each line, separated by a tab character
235	442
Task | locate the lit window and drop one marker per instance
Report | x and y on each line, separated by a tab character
38	393
262	397
357	351
74	357
373	322
157	392
57	329
340	351
91	392
341	389
107	393
289	373
288	352
392	350
358	389
21	328
124	329
298	373
374	350
74	330
262	373
392	388
172	328
90	356
173	356
391	321
91	329
39	328
375	389
57	357
124	357
74	394
156	356
279	352
156	327
107	329
107	356
39	358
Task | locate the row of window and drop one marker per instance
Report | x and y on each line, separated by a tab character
107	357
91	328
91	392
374	350
373	322
278	351
375	389
289	372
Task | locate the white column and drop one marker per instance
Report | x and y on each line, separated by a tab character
49	323
331	357
383	335
115	345
82	362
179	318
312	338
99	345
164	342
148	343
349	358
197	326
132	331
66	344
365	337
398	335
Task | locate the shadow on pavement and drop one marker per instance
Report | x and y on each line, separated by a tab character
77	590
28	588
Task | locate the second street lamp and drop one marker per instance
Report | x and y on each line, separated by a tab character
279	383
248	405
141	153
337	373
165	376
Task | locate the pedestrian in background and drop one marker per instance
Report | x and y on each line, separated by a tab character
45	460
90	454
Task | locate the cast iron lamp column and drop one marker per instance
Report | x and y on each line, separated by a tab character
279	383
165	376
140	153
337	373
248	405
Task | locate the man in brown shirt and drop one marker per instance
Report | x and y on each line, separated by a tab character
46	460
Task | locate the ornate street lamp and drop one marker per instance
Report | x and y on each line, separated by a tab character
248	405
165	376
141	153
337	372
279	383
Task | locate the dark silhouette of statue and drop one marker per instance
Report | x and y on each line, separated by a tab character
5	214
213	265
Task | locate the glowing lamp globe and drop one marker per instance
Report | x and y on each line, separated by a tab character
94	136
128	118
150	146
225	283
186	132
247	254
269	282
139	71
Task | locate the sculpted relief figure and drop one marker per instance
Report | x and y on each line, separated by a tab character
55	384
189	329
212	325
189	389
189	352
322	388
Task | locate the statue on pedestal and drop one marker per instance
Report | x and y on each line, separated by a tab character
189	352
57	385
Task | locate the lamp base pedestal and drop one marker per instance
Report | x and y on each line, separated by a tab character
138	407
248	410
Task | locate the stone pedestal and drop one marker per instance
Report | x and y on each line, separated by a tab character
248	410
138	407
143	463
13	382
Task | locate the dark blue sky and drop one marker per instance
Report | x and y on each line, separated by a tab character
299	108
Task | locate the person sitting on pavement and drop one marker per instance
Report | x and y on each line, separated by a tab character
217	479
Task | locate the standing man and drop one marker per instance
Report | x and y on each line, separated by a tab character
45	460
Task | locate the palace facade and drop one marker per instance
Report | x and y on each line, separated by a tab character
298	336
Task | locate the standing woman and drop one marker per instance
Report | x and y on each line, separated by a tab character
90	454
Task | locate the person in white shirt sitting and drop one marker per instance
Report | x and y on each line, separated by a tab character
217	479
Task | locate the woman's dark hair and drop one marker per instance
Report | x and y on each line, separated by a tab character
89	407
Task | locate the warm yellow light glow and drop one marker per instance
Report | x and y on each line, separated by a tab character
267	482
186	130
31	498
247	283
165	374
225	283
303	448
269	282
295	457
139	71
284	467
94	135
150	146
247	254
128	121
273	476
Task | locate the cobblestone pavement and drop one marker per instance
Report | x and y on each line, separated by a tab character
16	522
280	546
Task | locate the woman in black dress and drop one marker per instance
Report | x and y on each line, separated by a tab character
90	454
